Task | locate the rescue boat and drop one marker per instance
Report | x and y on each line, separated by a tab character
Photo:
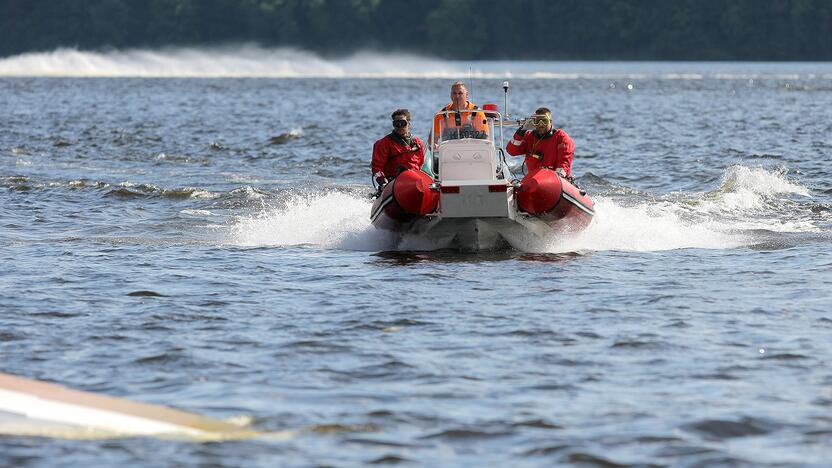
466	196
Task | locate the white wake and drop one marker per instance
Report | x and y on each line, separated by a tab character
747	199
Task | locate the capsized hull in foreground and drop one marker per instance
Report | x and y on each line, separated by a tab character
35	408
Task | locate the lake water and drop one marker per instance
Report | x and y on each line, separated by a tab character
201	240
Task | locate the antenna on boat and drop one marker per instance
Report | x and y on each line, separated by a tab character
505	92
470	83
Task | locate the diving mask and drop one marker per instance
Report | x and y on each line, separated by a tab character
540	119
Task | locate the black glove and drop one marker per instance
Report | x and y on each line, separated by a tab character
381	181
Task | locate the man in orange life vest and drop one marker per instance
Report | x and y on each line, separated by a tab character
459	101
397	151
544	146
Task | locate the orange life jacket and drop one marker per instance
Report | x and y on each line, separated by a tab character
457	120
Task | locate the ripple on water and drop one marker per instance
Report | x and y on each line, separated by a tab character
685	450
640	344
390	369
382	443
550	387
720	429
547	450
715	376
55	314
390	460
114	337
126	193
342	428
144	294
6	336
822	401
316	347
171	356
537	424
786	356
466	434
385	325
584	458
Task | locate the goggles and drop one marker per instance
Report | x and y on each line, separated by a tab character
400	123
538	120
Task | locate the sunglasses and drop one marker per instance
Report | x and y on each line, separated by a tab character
399	123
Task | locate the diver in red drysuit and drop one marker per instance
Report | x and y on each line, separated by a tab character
397	151
544	146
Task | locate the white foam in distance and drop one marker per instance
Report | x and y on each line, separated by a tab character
251	60
238	61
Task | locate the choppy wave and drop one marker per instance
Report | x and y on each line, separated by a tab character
747	200
256	61
747	191
118	190
130	190
285	137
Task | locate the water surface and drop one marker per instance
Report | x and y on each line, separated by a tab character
204	243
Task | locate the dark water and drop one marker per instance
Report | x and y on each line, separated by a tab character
204	244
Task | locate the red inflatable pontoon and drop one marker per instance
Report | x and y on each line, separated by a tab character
407	198
552	198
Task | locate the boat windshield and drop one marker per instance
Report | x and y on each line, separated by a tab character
455	125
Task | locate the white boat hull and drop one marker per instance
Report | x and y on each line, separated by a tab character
474	234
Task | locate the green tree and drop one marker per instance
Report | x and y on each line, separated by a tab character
464	29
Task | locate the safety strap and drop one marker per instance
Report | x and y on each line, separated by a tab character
458	115
540	138
546	135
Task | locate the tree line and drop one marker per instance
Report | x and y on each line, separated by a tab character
454	29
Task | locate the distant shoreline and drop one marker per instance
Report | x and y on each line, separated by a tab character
620	30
